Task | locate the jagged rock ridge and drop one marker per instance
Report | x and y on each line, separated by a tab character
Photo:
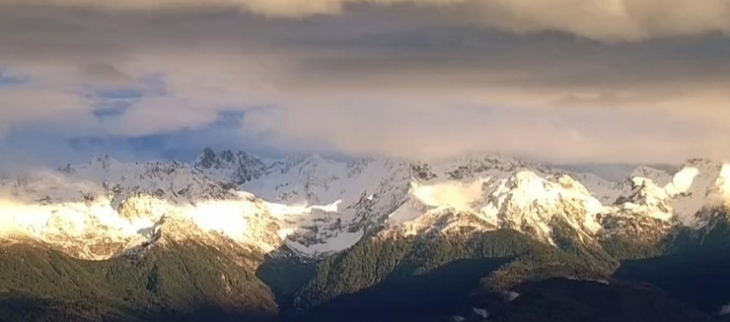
316	206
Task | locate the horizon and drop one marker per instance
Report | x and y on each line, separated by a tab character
608	171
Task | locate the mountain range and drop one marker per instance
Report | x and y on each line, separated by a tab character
479	237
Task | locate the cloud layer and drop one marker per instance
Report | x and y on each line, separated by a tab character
403	78
597	19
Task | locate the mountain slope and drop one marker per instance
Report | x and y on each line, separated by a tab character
563	300
330	205
384	261
106	208
182	282
315	206
343	233
318	206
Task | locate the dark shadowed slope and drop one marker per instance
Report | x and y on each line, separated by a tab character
190	282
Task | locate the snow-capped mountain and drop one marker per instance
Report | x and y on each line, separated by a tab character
105	208
330	204
325	205
237	168
651	205
316	206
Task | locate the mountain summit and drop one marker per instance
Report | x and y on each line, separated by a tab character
316	206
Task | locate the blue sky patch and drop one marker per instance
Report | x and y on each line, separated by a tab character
111	108
8	80
112	102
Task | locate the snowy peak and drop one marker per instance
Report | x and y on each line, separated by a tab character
326	204
643	212
520	200
317	206
330	205
106	208
645	193
237	168
532	204
659	177
700	183
646	209
475	165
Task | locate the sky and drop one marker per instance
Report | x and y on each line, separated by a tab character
562	81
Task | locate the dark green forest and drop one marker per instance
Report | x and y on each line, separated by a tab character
183	282
425	278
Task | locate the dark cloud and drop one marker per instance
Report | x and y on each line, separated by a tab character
614	20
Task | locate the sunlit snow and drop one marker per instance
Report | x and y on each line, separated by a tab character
319	206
